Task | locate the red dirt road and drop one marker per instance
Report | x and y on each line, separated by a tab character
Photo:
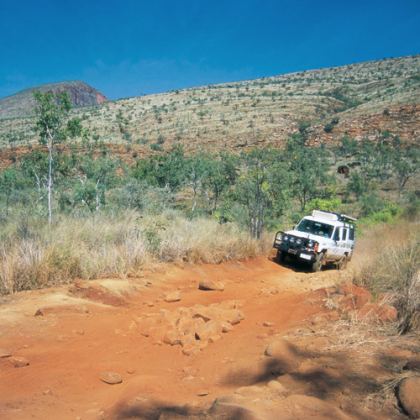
74	339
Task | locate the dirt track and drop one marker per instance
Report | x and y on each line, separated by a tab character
119	326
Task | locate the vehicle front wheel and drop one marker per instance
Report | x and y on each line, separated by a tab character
281	256
317	264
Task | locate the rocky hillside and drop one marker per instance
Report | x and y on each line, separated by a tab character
22	103
361	100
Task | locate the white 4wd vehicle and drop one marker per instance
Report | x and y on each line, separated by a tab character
318	239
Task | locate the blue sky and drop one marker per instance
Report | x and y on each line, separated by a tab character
129	48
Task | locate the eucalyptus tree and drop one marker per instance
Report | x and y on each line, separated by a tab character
308	167
262	187
54	126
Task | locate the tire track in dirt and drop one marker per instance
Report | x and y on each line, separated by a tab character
74	339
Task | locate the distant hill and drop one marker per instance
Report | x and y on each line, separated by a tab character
22	103
365	100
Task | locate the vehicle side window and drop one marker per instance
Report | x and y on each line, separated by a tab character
336	234
344	234
351	236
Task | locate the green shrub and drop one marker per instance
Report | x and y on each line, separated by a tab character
385	213
330	126
325	204
156	147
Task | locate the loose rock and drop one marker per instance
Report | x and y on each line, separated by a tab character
202	393
226	327
173	297
409	396
110	378
277	387
18	362
4	353
171	338
236	317
207	284
190	350
285	353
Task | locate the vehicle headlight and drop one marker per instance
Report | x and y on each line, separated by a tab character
279	237
311	244
298	241
286	238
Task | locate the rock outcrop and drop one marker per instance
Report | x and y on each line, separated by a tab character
23	103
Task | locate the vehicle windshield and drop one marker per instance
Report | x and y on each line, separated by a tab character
315	228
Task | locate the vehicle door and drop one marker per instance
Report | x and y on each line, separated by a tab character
334	252
339	238
350	241
342	242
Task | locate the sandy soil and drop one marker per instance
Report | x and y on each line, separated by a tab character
70	335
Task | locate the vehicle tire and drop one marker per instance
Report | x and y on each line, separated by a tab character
317	264
281	256
342	264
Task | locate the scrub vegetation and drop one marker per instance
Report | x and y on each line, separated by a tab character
68	215
389	268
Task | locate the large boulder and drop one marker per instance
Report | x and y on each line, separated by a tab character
409	396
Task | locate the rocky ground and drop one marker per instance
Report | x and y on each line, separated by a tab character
244	340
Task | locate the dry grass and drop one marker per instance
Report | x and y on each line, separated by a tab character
390	264
361	334
205	241
33	256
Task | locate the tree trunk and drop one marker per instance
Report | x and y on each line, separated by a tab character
215	202
194	199
97	197
50	182
402	182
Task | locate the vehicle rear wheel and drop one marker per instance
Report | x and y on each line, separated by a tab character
317	264
342	264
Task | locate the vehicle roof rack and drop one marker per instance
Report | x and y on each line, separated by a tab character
333	216
347	219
